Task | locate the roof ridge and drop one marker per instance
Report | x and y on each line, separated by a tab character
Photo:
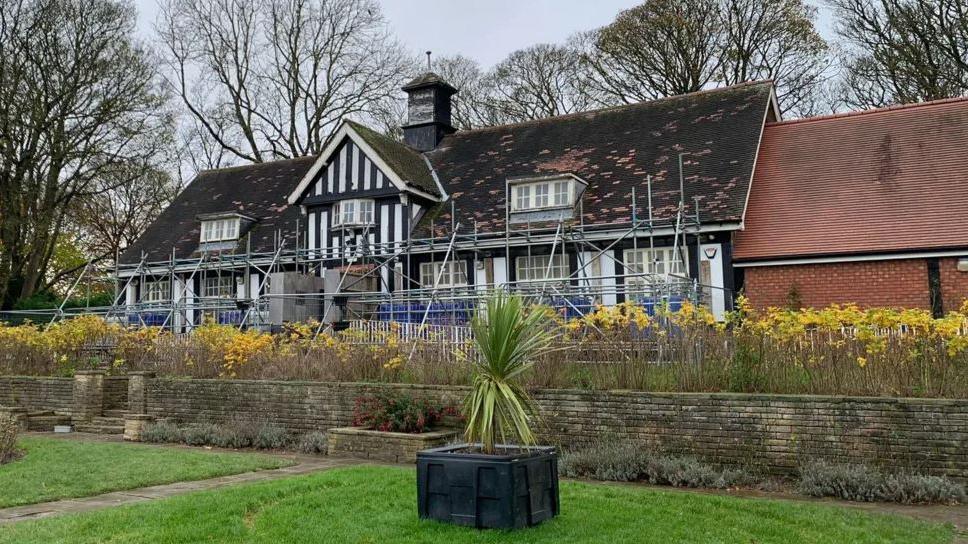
615	108
871	111
253	164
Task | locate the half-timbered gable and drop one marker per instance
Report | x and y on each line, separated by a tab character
362	196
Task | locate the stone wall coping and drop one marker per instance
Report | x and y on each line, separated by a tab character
375	385
429	435
90	372
146	373
603	392
574	392
26	377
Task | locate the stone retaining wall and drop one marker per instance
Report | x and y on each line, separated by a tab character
769	431
116	393
37	393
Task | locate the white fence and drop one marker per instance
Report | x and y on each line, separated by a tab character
374	332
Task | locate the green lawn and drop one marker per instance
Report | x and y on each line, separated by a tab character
378	504
58	469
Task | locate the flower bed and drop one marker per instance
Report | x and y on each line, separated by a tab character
393	427
840	350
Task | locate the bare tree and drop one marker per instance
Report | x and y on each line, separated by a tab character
660	48
271	79
540	81
902	51
115	215
668	47
471	105
776	40
78	102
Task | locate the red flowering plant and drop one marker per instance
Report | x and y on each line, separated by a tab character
400	413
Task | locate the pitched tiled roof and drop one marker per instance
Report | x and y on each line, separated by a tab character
880	181
425	79
407	163
614	150
255	190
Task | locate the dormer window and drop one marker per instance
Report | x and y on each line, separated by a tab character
545	194
354	212
218	230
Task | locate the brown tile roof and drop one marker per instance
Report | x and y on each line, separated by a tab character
879	181
256	190
614	150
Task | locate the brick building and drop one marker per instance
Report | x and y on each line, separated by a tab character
868	207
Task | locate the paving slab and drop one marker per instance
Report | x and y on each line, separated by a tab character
306	465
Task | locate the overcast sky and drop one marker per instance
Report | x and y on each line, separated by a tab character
484	30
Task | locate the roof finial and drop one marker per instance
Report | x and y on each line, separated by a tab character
428	60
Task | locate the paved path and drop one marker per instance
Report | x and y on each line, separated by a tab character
304	465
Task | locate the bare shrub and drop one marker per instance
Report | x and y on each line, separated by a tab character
834	351
271	437
612	461
162	432
312	443
200	434
819	478
8	438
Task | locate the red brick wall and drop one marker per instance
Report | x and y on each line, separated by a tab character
898	283
954	284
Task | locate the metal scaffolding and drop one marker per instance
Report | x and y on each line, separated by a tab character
179	307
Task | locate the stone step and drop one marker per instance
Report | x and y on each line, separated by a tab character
98	429
46	423
119	414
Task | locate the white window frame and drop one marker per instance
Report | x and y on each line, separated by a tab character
354	212
542	195
660	262
218	230
221	286
455	274
534	267
156	291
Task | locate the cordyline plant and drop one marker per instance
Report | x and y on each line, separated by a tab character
508	340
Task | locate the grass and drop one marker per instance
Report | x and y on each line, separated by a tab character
58	469
378	504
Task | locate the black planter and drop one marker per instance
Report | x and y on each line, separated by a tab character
506	491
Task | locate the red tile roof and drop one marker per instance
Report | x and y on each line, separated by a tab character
878	181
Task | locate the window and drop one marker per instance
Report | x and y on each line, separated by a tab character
535	267
219	287
662	262
523	198
542	194
562	193
156	291
353	212
454	274
216	230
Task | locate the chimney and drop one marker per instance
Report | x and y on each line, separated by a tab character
428	111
